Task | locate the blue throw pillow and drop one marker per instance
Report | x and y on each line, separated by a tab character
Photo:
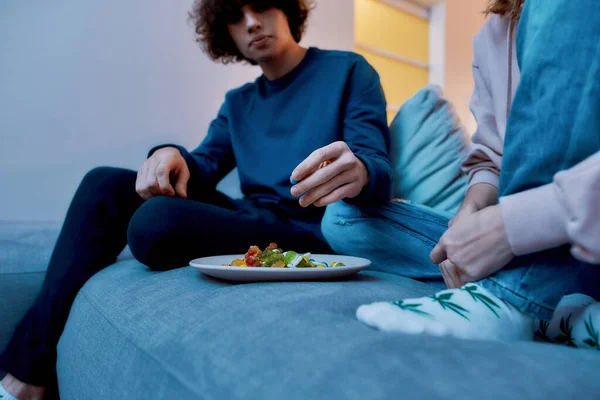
428	144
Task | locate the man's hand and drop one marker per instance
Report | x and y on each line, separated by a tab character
155	175
478	197
474	247
329	174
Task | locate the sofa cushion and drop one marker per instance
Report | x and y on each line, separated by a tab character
136	334
25	248
428	144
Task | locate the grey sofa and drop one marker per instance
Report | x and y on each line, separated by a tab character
137	334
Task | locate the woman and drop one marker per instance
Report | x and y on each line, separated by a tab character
528	230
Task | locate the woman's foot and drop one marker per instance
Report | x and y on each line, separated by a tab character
559	329
13	389
586	328
470	312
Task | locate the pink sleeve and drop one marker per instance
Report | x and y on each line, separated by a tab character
565	211
485	156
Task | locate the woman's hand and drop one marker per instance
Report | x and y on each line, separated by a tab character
474	247
478	197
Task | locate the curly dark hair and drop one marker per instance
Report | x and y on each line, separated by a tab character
211	17
506	8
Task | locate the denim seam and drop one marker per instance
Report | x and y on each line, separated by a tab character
422	216
144	352
409	231
420	237
342	221
520	296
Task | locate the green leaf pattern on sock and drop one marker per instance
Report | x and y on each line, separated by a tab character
594	339
542	331
444	301
566	332
489	303
410	307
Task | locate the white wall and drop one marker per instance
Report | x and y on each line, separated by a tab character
84	84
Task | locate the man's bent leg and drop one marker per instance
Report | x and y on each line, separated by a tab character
92	236
167	233
397	237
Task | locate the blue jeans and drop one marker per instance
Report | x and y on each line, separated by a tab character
398	238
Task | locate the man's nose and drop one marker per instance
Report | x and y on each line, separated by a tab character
252	22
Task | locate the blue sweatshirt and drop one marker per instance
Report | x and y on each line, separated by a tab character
268	127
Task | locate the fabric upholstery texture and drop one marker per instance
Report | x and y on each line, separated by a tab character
137	334
428	144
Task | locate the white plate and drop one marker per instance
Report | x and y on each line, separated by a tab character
213	266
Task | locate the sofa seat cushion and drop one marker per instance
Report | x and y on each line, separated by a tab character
137	334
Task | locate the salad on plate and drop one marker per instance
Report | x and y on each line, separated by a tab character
274	257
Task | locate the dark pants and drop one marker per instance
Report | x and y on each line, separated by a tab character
164	233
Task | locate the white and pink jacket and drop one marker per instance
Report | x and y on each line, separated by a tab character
564	211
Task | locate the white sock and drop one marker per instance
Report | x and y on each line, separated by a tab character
586	328
4	395
560	327
470	312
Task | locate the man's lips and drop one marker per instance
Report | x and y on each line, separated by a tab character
259	40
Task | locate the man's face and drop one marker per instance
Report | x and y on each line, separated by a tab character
261	34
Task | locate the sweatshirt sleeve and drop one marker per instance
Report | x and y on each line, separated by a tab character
564	211
213	158
485	156
366	131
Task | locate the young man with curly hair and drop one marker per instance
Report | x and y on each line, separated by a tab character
308	132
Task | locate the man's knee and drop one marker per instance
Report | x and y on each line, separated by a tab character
105	180
152	229
337	222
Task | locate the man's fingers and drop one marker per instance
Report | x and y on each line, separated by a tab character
324	189
151	180
182	180
322	175
327	153
438	254
338	194
154	177
140	183
318	167
144	189
163	177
